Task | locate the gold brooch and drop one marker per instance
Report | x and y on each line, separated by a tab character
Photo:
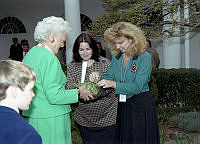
134	68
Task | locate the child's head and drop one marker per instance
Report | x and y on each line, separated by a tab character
16	83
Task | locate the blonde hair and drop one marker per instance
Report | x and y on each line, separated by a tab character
14	73
122	30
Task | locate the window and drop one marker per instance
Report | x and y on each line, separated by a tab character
10	25
85	21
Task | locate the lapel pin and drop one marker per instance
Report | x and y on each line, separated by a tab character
134	68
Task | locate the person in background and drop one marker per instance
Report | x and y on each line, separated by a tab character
16	51
50	110
148	45
96	118
24	41
25	49
155	60
102	52
129	74
16	92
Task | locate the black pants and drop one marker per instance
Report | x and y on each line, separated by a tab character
98	135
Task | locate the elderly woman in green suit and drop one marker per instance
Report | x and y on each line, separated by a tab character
129	73
49	112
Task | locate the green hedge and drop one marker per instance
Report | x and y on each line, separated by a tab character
175	87
188	122
164	114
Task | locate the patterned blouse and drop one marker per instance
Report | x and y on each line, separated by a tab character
100	112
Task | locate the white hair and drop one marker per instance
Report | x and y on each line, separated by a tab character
50	25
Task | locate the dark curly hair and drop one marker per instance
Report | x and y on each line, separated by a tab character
84	37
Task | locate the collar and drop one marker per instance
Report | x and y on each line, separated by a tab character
9	106
46	47
120	53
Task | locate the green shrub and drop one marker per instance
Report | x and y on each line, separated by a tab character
164	114
189	121
183	138
76	136
64	68
153	88
177	87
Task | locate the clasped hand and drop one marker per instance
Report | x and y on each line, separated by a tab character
85	94
104	83
107	83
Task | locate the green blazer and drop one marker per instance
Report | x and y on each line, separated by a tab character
51	98
132	79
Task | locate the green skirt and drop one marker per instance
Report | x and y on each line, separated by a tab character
53	130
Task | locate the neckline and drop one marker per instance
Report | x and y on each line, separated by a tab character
45	46
9	106
124	66
91	64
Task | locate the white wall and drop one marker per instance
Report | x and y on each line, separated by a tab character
195	50
29	12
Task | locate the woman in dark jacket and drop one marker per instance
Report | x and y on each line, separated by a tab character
96	118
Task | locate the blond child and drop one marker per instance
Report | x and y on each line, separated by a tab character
16	92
